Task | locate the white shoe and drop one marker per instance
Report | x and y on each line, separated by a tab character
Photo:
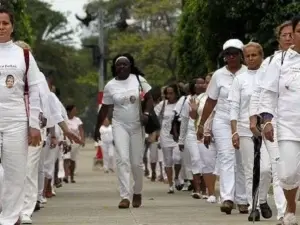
205	196
53	192
186	186
290	219
212	199
43	200
171	190
25	219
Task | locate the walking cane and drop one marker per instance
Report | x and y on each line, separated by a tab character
257	140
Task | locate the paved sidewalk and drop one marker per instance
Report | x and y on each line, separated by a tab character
94	198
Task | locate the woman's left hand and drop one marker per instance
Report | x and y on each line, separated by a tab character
34	137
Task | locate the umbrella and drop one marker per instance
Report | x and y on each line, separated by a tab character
257	140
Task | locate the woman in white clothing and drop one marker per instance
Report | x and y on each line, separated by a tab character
284	38
124	94
280	91
239	97
165	110
107	144
204	154
232	178
190	138
14	121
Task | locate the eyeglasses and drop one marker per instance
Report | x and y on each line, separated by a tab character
231	53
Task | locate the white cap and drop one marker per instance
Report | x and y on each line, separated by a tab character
233	43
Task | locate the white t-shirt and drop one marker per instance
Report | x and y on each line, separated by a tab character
239	96
12	70
125	96
106	134
74	124
166	139
218	89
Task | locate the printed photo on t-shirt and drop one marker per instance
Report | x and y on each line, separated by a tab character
132	99
10	80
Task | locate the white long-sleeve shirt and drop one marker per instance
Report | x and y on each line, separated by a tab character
239	97
218	89
12	70
259	77
281	90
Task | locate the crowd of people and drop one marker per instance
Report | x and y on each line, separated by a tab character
207	129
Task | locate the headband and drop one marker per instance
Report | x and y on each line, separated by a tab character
122	57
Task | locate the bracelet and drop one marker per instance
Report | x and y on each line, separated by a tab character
234	134
146	113
266	125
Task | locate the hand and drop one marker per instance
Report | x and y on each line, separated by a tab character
181	148
53	142
268	131
253	126
34	138
200	132
194	104
73	137
236	141
207	140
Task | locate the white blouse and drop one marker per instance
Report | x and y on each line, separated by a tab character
281	90
218	89
239	97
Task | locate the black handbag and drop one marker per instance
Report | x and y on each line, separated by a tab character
175	128
153	123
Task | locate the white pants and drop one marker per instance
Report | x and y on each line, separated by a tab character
289	164
207	158
187	173
232	177
129	151
191	145
247	151
61	170
273	150
153	152
171	156
41	174
108	155
14	143
1	184
31	182
51	155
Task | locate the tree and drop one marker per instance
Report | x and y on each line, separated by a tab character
150	39
205	25
22	27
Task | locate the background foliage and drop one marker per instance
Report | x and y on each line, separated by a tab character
170	40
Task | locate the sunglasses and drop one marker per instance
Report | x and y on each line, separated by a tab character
231	52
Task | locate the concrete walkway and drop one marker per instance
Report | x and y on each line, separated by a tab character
94	198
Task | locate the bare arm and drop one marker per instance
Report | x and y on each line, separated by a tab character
207	110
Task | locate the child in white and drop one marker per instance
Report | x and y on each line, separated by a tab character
107	144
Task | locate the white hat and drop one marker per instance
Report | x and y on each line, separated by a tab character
233	43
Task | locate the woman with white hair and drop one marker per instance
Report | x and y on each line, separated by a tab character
232	177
